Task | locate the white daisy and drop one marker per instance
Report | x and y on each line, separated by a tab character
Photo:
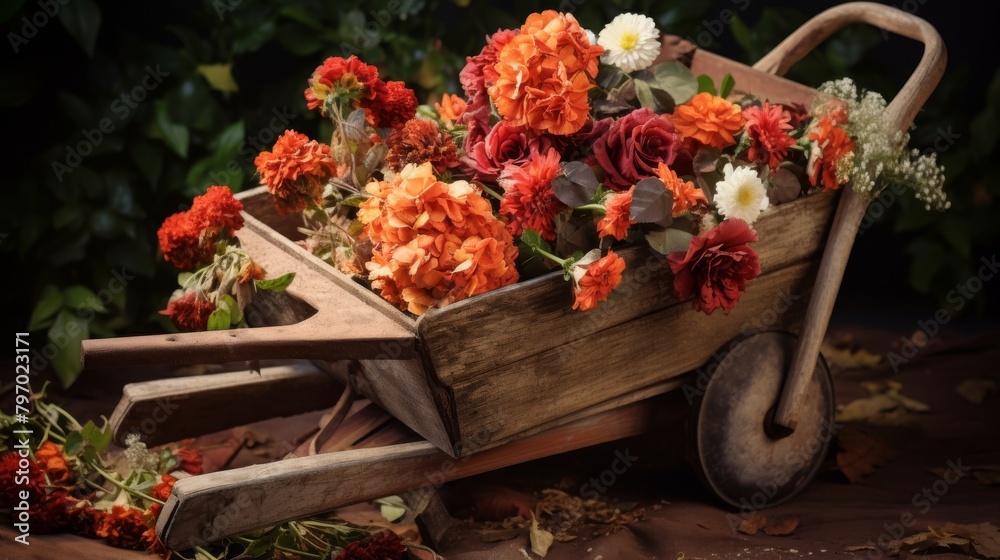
590	36
631	42
740	194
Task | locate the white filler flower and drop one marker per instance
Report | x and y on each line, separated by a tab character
631	42
740	194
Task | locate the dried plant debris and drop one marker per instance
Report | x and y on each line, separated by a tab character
861	452
885	406
840	356
976	389
775	526
982	540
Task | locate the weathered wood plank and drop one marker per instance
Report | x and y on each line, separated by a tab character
622	359
471	338
225	503
749	80
169	410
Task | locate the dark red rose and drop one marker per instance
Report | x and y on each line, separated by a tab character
717	266
503	145
635	145
580	144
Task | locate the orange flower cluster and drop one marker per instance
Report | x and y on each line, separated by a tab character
398	106
451	109
708	120
434	241
616	221
188	239
545	74
594	280
529	201
421	141
296	170
346	79
833	144
686	194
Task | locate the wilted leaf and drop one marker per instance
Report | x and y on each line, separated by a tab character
862	452
577	184
753	524
983	538
354	126
785	187
866	409
706	160
975	389
652	203
782	526
497	535
541	539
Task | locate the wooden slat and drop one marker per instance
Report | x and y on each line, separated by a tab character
169	410
618	360
216	505
471	338
754	82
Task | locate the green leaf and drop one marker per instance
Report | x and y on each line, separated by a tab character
147	157
66	334
183	278
174	135
79	298
531	238
97	437
74	443
278	284
46	307
219	319
393	508
669	240
219	76
706	84
644	95
727	85
82	19
675	79
235	313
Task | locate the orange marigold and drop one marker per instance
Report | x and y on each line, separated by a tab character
188	239
123	527
594	278
296	170
708	120
450	109
615	222
434	242
830	145
545	73
393	109
529	201
686	194
343	80
421	141
52	460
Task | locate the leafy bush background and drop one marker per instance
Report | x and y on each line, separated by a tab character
233	66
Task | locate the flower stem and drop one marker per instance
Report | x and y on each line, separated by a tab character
599	208
491	192
132	491
550	256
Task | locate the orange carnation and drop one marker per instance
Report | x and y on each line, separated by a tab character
296	170
708	120
123	527
52	460
615	221
529	201
450	109
686	194
594	278
188	239
831	144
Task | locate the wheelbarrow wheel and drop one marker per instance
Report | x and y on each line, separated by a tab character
741	457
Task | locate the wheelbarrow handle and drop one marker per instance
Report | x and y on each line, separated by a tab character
918	87
899	116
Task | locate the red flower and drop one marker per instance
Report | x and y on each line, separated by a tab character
188	239
162	490
345	79
503	145
717	266
296	170
152	544
594	278
830	145
528	199
615	221
635	145
420	141
383	546
189	311
52	513
10	487
392	110
123	527
190	460
767	127
52	460
84	519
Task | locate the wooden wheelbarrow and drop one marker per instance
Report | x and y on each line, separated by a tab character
515	374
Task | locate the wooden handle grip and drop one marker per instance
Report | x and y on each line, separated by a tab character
918	87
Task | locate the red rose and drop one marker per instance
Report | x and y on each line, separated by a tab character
717	265
635	145
503	145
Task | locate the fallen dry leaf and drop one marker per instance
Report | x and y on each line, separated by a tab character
987	476
862	452
751	525
859	548
976	389
981	538
782	526
846	358
497	535
541	539
866	409
985	537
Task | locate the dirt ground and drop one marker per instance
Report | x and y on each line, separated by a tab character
678	519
